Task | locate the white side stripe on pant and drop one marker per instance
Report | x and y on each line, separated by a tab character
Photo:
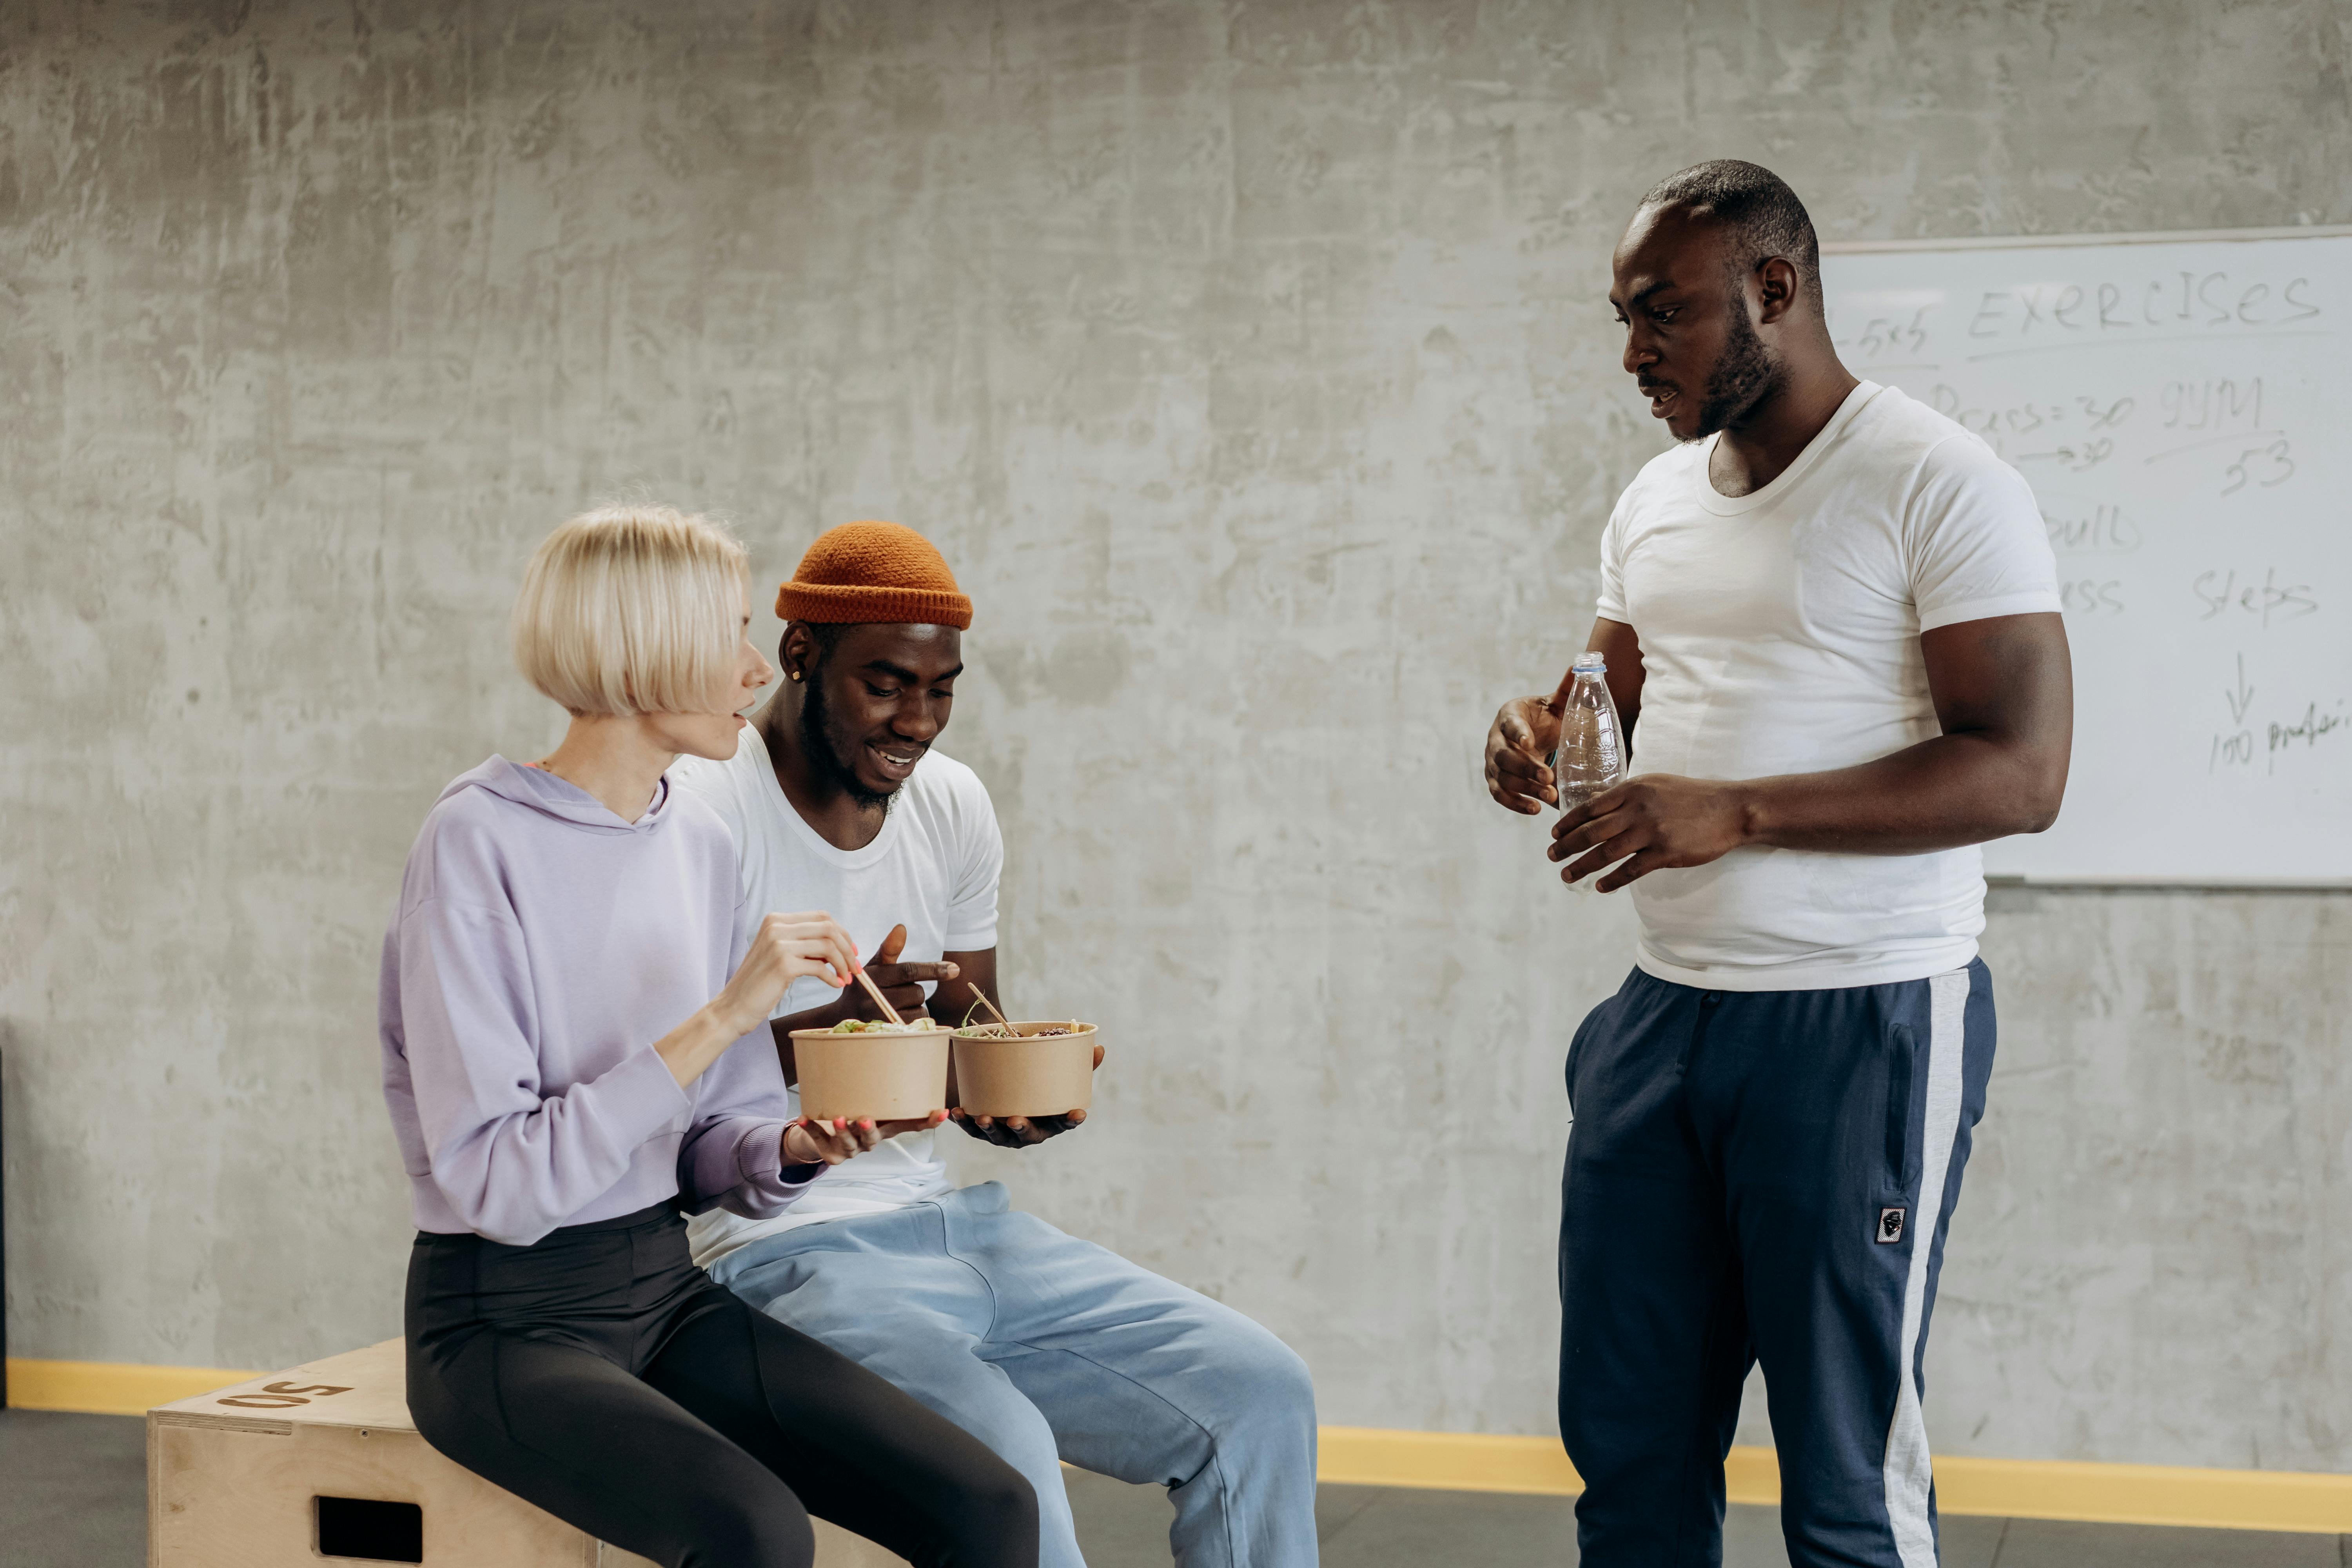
1906	1471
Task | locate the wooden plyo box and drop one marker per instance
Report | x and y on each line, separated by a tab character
263	1474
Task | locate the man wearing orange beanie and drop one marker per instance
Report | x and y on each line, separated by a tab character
1044	1347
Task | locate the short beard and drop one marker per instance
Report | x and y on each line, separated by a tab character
1743	377
816	744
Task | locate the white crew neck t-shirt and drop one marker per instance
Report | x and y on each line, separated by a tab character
1779	634
933	868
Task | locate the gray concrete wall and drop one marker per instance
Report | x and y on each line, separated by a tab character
1252	365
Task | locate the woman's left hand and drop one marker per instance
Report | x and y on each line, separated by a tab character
808	1142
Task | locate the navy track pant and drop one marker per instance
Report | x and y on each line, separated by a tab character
1761	1176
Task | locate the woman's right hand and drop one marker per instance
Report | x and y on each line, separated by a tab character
785	947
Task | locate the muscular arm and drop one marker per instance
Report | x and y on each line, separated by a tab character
953	997
2004	691
1615	641
2004	697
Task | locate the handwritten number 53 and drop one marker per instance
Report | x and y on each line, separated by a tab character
2264	465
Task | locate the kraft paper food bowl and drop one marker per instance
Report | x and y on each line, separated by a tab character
1026	1076
890	1077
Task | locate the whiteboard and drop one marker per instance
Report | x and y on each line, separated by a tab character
2181	406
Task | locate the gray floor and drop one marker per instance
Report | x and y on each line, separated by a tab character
72	1492
1374	1527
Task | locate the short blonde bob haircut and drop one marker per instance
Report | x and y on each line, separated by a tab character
631	609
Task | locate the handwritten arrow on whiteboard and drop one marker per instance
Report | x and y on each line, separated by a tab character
2244	697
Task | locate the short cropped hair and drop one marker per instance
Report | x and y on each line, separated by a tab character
631	609
1757	207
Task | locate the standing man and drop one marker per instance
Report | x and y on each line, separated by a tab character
1831	621
1042	1346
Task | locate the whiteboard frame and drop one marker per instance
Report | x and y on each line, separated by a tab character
2052	241
2170	884
2156	884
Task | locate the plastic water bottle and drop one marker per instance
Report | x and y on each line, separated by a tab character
1590	755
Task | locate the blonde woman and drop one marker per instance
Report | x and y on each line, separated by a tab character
574	1012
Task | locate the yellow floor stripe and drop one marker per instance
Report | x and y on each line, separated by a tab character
1476	1462
109	1388
2014	1488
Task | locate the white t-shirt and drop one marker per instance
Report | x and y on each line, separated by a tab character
1779	634
933	868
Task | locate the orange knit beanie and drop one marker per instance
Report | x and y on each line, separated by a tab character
865	572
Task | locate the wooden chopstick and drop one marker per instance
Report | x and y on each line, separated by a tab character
879	1000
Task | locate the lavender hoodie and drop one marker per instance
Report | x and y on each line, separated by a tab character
542	946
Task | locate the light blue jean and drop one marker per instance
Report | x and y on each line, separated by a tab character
1048	1348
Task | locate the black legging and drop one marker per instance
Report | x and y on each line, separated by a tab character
603	1376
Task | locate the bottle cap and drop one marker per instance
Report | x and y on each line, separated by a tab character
1589	663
